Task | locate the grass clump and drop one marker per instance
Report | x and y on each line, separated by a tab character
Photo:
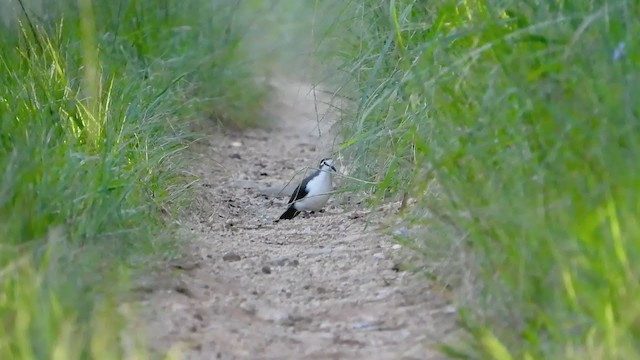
94	102
523	115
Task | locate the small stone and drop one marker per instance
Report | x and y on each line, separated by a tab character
275	315
318	252
366	325
384	293
186	266
198	316
285	261
184	290
299	319
266	269
281	261
402	232
378	256
396	247
249	307
231	256
235	156
236	144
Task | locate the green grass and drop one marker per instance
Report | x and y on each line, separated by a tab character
95	99
522	116
513	124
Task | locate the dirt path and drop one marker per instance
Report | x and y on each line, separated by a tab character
322	287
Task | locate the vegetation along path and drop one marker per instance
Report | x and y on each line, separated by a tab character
318	287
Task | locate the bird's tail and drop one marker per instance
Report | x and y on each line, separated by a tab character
290	213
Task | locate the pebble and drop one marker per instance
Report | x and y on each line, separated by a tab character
266	269
184	290
275	315
280	262
319	252
249	307
378	256
186	266
365	325
231	256
401	232
384	293
285	261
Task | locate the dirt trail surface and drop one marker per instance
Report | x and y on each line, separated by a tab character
317	287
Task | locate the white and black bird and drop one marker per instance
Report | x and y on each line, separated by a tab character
313	192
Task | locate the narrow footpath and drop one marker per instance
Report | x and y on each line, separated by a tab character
322	287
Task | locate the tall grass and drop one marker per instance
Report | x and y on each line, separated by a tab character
95	97
522	116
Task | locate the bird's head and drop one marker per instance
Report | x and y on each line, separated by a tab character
327	164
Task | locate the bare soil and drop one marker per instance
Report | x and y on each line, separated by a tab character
324	286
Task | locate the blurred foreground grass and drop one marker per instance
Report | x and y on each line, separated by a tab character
95	97
515	125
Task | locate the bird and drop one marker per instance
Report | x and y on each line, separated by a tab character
313	192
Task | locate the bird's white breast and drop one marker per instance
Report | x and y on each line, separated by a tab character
318	192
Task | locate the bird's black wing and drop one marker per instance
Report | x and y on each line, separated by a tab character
301	190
